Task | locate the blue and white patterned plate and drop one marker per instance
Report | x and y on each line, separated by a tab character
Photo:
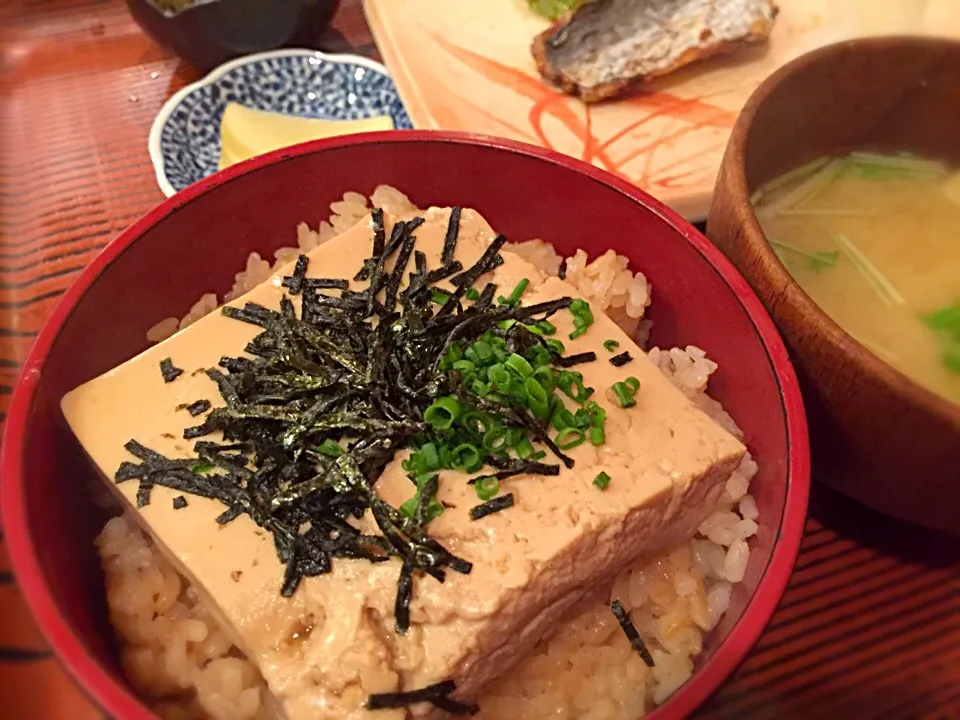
185	137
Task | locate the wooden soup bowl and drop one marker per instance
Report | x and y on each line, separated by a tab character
877	435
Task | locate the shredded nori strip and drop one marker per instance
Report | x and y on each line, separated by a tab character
511	467
636	642
325	284
294	282
571	360
401	607
169	371
490	260
179	502
379	238
143	493
621	359
196	408
490	507
450	241
437	695
442	273
192	433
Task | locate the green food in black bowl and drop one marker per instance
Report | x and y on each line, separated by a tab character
207	33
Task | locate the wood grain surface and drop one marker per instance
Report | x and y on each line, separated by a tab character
870	625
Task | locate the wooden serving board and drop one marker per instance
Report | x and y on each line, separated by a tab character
466	65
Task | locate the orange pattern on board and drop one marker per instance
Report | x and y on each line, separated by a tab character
577	118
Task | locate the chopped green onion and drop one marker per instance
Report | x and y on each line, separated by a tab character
466	369
442	414
632	383
499	378
555	346
579	307
518	390
519	365
539	455
487	487
569	438
581	419
562	419
610	345
472	295
523	449
546	327
329	448
514	297
598	416
201	468
539	408
475	423
515	435
597	436
434	507
539	357
430	456
444	457
453	354
439	297
535	391
565	379
466	457
582	317
495	439
544	378
480	388
602	480
571	383
624	394
482	350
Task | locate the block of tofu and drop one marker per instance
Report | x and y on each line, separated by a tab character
323	651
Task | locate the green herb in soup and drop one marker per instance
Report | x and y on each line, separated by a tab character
871	239
553	9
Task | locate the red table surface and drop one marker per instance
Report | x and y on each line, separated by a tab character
870	624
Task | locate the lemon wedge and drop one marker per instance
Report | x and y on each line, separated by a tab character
246	133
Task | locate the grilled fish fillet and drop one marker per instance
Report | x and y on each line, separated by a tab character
605	46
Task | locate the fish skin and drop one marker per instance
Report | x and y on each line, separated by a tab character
604	47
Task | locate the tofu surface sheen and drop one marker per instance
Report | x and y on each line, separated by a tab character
326	649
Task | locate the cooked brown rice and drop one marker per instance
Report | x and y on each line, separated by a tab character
176	656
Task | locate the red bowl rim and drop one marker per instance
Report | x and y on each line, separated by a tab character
117	700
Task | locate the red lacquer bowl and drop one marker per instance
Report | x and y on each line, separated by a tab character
198	239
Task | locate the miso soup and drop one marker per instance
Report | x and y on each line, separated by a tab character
872	239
